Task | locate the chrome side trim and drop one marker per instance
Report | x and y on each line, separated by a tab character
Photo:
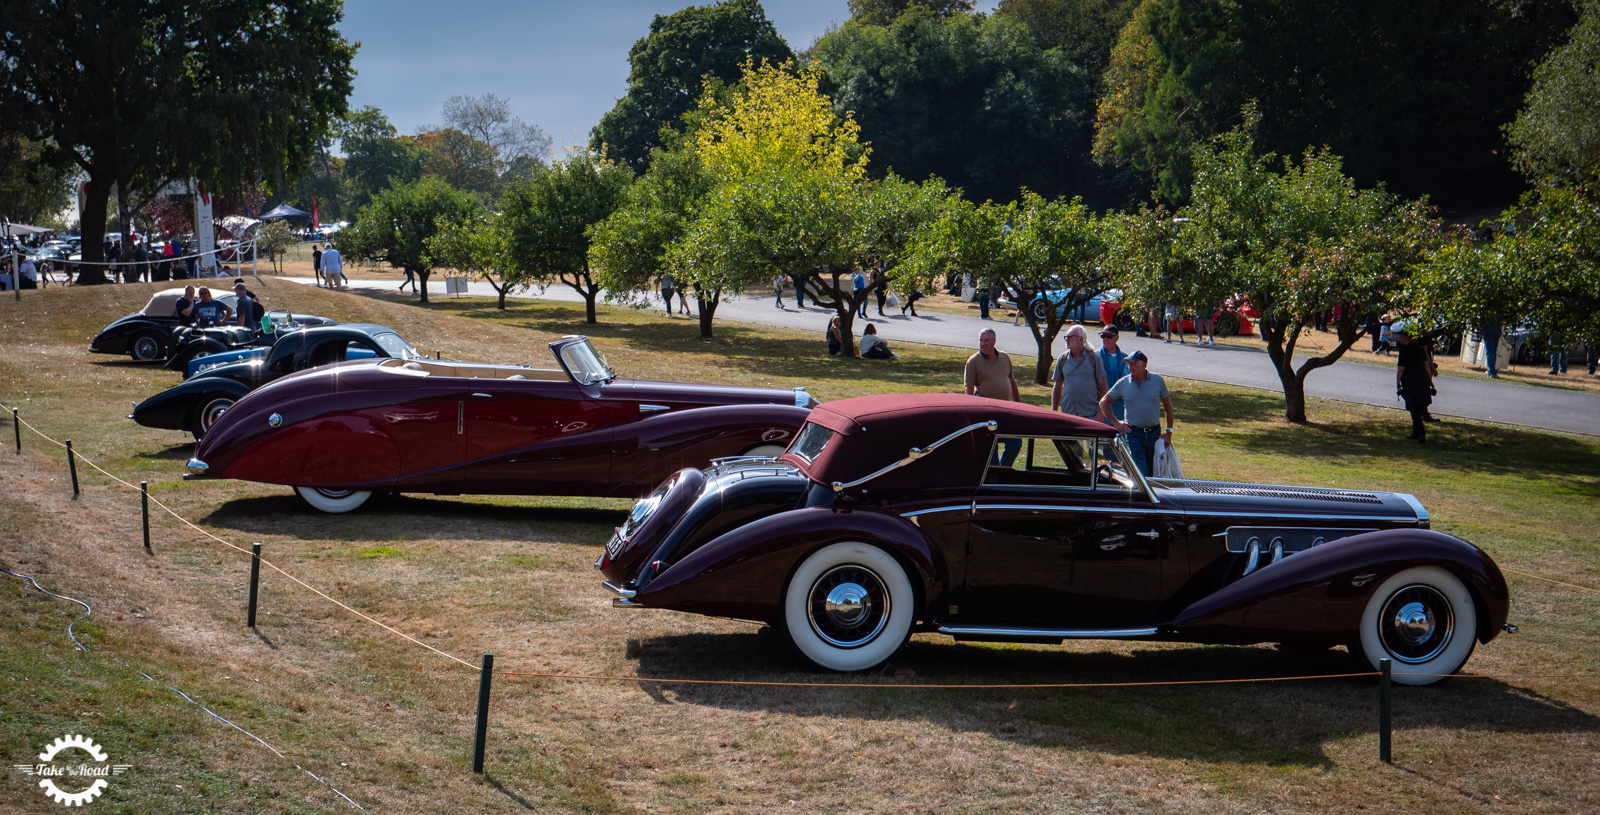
1422	514
1186	513
1064	633
624	602
914	454
652	408
958	508
1044	508
618	590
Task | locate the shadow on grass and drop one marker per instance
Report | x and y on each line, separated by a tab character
1273	723
179	452
411	517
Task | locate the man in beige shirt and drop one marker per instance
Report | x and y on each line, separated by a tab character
988	374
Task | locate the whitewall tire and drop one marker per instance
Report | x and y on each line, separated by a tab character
849	607
1424	621
332	501
210	411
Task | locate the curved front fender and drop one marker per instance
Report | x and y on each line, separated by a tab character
172	408
1319	595
743	574
179	361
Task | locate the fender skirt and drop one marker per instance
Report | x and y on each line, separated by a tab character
743	574
1318	596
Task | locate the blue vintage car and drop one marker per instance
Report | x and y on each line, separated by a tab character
1040	303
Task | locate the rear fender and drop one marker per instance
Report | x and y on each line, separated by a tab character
1318	596
650	449
743	574
171	409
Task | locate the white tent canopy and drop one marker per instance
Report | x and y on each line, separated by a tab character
25	229
237	224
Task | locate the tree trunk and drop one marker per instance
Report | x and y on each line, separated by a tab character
1041	367
1280	348
423	275
708	310
93	229
502	293
590	292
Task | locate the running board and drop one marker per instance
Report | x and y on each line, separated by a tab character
989	632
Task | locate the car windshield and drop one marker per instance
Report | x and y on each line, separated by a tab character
396	347
813	437
585	363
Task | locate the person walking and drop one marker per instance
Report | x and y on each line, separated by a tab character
1114	362
777	290
1489	335
1205	326
880	287
411	276
911	302
858	292
1174	318
333	268
668	285
988	374
799	291
1413	379
1144	396
1079	379
316	264
683	299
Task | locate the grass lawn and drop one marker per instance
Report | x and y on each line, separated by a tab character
390	723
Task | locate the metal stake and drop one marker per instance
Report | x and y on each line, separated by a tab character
16	427
144	509
255	578
1383	712
72	465
483	713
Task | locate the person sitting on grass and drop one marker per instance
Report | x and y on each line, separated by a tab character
835	337
872	345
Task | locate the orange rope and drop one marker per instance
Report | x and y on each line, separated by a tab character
1548	580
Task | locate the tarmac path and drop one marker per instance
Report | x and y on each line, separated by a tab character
1567	411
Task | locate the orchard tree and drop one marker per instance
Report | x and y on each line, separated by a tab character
547	219
138	94
474	244
275	239
1557	134
463	161
397	225
1029	245
32	188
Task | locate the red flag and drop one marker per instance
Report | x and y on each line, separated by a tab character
316	220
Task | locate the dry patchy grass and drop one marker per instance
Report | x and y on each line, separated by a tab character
390	723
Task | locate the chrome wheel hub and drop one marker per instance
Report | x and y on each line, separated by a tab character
1417	623
848	606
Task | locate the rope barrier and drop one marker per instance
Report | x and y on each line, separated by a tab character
241	247
760	683
1548	580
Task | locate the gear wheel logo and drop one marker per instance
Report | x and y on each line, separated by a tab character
49	770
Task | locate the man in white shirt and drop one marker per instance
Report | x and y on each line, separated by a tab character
333	269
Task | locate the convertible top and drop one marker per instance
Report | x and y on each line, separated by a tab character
879	430
164	303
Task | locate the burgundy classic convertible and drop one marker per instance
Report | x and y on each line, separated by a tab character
338	434
1000	521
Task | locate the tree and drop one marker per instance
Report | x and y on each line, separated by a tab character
274	239
376	156
398	223
1296	240
138	94
1084	30
548	217
884	12
1411	95
1029	245
521	148
1557	134
671	64
629	248
463	161
32	188
975	102
1543	274
476	243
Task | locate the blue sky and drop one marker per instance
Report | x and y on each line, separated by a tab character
562	65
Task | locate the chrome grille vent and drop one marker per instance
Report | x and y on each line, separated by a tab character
1265	491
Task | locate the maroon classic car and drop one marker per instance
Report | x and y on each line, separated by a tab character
339	433
1001	521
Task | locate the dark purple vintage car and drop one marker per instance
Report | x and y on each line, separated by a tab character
340	433
999	521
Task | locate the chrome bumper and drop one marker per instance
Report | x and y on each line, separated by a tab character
196	469
624	598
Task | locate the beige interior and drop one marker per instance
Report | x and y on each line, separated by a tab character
467	370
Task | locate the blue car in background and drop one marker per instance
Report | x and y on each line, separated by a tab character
1084	313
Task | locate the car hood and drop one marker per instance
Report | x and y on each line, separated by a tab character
1269	501
679	393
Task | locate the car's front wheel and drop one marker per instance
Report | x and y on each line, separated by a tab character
1123	320
848	607
209	412
1424	620
145	348
333	501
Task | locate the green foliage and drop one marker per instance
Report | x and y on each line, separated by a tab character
399	222
463	161
1032	244
1543	273
376	156
885	12
138	93
32	188
476	243
274	239
547	219
672	63
1408	94
1557	134
975	102
1084	30
629	248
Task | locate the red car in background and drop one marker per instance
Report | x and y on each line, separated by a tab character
1236	316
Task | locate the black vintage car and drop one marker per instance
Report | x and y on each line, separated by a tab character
999	521
146	334
197	403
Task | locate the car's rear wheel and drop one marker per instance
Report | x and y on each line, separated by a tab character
1225	325
210	410
1041	310
1424	620
333	501
145	348
849	607
1123	320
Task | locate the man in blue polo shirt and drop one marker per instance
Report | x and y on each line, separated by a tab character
1143	395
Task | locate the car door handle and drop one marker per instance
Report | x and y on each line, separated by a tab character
1151	534
483	395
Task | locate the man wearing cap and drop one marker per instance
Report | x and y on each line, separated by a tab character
1144	395
1079	380
1115	364
245	302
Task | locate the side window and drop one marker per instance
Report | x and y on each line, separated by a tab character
328	353
1110	470
1021	461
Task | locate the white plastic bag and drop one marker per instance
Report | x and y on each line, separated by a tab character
1166	461
894	300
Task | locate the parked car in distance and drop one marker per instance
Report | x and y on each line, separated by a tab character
146	334
197	403
1001	521
340	433
1236	316
1039	304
